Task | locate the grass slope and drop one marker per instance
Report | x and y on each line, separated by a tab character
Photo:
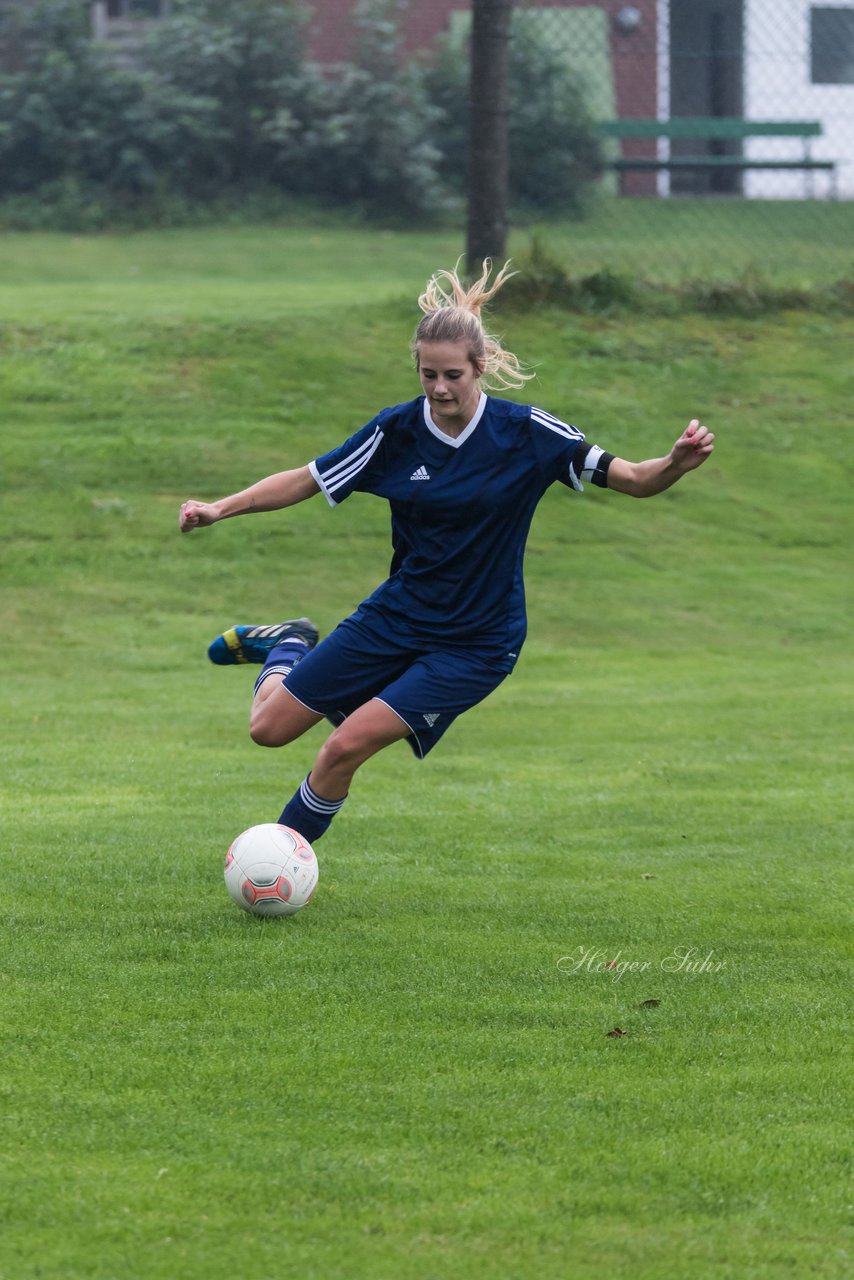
413	1078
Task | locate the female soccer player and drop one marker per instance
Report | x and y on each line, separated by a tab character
463	473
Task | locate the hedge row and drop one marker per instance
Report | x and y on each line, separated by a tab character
221	100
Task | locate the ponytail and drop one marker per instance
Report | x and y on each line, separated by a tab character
452	314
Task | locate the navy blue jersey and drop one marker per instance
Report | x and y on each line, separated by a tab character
460	514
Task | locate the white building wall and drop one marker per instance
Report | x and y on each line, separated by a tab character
777	87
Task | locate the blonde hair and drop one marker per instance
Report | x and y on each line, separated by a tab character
452	314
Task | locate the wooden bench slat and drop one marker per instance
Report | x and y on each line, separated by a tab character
714	162
717	127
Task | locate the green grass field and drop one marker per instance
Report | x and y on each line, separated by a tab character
806	244
412	1079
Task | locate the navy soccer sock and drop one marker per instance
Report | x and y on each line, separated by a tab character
282	658
308	813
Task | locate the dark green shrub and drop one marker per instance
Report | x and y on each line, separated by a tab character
242	65
221	101
367	125
555	153
218	101
72	119
57	103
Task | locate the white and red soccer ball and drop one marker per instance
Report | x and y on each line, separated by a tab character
271	870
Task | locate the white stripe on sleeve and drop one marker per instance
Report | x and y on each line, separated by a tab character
339	475
312	466
554	424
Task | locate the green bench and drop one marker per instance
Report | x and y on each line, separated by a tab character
716	129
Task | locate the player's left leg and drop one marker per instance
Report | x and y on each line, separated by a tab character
366	731
275	719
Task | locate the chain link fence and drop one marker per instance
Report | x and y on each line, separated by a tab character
669	139
727	133
725	130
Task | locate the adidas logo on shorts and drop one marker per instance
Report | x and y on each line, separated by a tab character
433	716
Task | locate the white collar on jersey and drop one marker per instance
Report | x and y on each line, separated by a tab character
454	441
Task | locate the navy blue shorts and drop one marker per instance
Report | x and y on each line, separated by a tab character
428	689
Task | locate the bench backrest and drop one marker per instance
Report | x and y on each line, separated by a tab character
709	127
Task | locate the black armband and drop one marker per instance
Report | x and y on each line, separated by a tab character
589	466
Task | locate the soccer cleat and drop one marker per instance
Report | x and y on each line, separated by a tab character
252	644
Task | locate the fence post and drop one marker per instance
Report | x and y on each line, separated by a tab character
488	150
98	19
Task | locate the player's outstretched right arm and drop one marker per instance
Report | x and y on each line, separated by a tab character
284	489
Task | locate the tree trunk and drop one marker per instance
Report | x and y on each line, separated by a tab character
488	151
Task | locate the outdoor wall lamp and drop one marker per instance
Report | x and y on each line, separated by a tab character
627	19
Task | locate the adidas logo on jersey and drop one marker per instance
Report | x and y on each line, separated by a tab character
421	474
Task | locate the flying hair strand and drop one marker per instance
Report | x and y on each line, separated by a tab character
452	313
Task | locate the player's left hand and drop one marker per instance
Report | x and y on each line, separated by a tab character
693	446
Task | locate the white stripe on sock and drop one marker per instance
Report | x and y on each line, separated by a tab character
316	803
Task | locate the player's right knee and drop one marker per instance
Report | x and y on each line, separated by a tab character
263	737
266	731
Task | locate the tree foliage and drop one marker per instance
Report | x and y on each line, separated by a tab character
221	99
555	152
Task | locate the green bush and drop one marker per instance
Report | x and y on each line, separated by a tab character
555	153
221	101
353	134
368	124
57	105
71	119
242	66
